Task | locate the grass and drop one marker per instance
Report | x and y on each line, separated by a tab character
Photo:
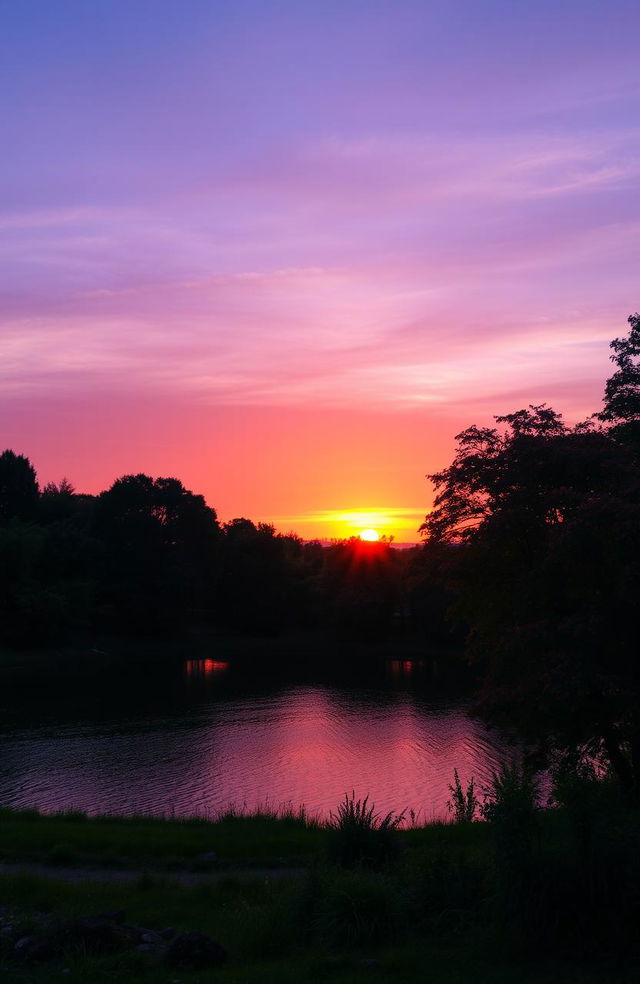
453	903
265	838
272	935
361	836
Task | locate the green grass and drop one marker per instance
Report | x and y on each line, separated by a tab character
266	839
261	839
271	936
429	915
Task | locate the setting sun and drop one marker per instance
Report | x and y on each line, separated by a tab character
371	535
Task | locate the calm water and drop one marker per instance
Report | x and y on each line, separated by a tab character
200	736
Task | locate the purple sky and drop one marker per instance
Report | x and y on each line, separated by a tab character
421	212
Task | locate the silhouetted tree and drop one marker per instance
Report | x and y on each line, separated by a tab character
18	487
57	501
359	588
46	582
160	544
255	592
547	519
622	391
425	572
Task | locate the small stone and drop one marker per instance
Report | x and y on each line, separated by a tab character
33	949
195	950
99	936
150	948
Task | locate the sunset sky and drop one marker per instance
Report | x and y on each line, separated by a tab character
285	251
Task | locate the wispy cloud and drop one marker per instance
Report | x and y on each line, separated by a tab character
383	270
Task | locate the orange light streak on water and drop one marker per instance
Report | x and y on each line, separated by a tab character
205	667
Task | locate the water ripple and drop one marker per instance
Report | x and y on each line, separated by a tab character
209	750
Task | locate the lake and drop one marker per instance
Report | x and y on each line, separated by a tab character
200	736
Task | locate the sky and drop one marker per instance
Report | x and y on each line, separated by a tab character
285	251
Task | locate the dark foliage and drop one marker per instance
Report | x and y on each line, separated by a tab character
160	553
544	523
148	558
18	488
360	836
359	588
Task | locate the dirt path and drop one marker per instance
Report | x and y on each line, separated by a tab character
127	876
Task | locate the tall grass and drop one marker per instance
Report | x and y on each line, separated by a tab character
511	807
463	804
360	836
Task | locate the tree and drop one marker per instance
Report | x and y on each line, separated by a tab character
547	522
622	391
160	544
359	588
57	502
18	487
258	590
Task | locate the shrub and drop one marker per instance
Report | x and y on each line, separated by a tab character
447	888
357	908
360	836
463	804
511	807
589	796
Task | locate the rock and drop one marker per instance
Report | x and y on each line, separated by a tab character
151	948
35	949
148	936
113	915
98	935
168	933
195	950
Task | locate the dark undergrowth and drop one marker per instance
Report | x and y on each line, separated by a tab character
330	925
528	895
235	837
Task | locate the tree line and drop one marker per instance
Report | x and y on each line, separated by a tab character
149	558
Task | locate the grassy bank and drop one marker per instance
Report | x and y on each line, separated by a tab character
237	839
271	934
547	897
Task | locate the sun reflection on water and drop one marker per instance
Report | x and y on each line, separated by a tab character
203	668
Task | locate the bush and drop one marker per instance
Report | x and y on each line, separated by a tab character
463	804
357	908
511	807
361	837
447	888
589	797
